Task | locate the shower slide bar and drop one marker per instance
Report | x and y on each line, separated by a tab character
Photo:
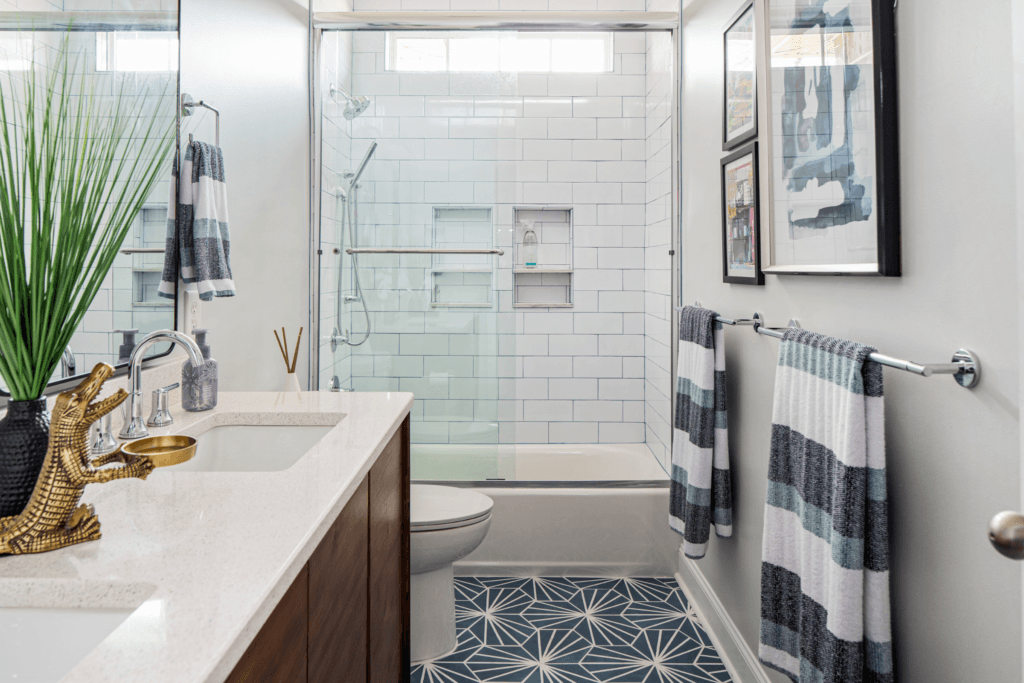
965	366
401	250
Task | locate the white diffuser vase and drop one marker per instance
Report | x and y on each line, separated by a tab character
291	380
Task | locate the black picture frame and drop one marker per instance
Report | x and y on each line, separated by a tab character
747	134
886	203
742	236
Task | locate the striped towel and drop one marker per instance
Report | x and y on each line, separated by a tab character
825	570
198	241
700	455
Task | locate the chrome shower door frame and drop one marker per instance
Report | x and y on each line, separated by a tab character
642	22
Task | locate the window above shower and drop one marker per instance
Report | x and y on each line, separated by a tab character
136	51
500	52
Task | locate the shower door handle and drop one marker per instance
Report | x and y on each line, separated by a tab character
414	250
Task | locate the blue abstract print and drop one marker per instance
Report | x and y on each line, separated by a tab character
823	122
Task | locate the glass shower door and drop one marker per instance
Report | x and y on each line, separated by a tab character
419	246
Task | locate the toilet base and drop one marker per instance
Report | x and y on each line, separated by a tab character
432	613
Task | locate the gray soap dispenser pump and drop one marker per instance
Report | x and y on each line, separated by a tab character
199	385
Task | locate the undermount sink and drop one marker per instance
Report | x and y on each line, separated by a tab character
41	644
252	448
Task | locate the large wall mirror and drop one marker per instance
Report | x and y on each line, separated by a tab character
136	48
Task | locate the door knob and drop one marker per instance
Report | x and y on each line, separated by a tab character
1006	532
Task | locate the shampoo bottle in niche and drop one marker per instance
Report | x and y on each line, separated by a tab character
529	246
199	385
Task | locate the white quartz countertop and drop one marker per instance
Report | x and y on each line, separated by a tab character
207	554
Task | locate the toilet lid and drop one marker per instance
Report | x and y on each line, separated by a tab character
433	505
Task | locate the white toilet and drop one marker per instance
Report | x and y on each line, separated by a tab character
447	524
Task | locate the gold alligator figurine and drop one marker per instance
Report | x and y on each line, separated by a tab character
53	518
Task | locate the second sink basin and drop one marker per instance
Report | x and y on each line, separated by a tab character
252	448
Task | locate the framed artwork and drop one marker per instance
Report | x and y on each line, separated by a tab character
741	244
740	107
834	198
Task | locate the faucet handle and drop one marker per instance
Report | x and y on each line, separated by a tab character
102	440
161	415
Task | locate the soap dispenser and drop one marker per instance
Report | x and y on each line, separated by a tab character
529	246
124	352
199	385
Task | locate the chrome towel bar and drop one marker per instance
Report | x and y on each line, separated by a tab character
965	365
413	250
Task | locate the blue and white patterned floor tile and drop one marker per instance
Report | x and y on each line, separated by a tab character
579	630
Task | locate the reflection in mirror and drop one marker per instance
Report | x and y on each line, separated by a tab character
137	51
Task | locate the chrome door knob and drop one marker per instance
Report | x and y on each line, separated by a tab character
1006	532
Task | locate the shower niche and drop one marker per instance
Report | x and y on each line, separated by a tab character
547	281
462	280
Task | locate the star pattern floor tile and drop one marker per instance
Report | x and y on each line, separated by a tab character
574	630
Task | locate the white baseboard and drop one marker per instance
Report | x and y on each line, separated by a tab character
577	569
737	656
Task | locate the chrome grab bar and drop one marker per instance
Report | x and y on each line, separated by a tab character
413	250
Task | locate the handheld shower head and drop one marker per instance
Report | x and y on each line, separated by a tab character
354	106
362	165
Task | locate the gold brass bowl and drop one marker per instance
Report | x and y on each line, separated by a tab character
164	450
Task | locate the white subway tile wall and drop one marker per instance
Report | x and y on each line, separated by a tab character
597	142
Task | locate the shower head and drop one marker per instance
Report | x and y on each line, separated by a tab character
354	106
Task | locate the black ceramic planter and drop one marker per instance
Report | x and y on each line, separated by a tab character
24	437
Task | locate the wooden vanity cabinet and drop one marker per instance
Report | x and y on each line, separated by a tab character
345	618
338	598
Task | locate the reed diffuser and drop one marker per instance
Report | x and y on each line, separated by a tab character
291	382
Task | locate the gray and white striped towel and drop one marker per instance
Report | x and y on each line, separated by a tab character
825	570
701	483
198	241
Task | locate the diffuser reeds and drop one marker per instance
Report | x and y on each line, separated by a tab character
289	366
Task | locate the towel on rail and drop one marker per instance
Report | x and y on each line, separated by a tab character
825	559
701	485
198	241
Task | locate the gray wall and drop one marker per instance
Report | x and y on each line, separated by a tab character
953	455
249	58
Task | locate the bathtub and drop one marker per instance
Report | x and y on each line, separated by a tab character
590	510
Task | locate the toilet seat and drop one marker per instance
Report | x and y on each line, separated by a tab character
436	508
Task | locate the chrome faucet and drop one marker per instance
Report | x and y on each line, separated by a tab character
135	425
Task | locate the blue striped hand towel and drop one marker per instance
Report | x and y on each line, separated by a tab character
701	485
198	240
825	569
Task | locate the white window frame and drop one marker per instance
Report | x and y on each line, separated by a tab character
391	49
